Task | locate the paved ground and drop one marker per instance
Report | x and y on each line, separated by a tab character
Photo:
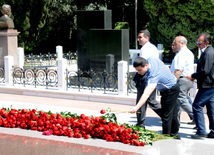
16	141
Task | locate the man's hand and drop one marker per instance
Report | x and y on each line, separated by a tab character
178	73
189	77
147	92
134	110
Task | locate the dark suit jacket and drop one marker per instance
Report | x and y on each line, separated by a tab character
205	69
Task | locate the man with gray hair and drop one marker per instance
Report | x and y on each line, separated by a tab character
5	21
183	65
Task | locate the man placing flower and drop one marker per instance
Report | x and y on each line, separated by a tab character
160	77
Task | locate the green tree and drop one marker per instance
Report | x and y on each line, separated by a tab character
170	18
29	19
44	24
124	11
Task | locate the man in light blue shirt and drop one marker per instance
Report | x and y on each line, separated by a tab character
160	77
183	65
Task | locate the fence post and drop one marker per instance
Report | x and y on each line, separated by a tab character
8	66
122	77
62	65
59	52
20	57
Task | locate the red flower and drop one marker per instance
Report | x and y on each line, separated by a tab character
102	111
87	136
82	116
142	143
129	130
24	111
137	143
57	124
71	134
109	138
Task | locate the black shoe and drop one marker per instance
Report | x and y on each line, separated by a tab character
197	136
210	135
191	123
195	128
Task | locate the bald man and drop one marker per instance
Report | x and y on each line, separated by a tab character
183	65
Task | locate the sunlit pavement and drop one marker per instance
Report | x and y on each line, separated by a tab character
19	141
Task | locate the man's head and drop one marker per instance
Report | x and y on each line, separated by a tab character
173	47
141	65
143	37
6	10
178	43
204	39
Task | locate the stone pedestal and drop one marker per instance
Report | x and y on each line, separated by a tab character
8	45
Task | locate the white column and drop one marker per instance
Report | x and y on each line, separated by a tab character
62	65
59	52
8	66
160	49
21	58
122	77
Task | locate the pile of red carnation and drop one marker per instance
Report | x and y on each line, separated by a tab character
74	126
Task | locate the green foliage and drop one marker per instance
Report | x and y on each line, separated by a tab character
109	116
29	19
124	11
122	25
170	18
146	136
44	24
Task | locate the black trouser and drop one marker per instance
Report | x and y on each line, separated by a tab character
141	113
170	123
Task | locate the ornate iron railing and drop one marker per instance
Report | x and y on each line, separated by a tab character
130	82
2	77
91	80
35	76
49	59
79	80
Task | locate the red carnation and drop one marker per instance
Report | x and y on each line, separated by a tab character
102	111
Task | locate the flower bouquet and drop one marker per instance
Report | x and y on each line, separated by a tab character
71	125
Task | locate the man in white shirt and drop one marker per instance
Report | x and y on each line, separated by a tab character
147	50
183	65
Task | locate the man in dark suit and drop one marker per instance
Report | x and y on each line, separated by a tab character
205	83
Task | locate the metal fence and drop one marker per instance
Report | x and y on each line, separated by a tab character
92	80
49	59
2	77
41	71
78	80
35	77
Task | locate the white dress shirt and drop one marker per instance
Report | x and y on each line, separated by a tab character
184	61
149	50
